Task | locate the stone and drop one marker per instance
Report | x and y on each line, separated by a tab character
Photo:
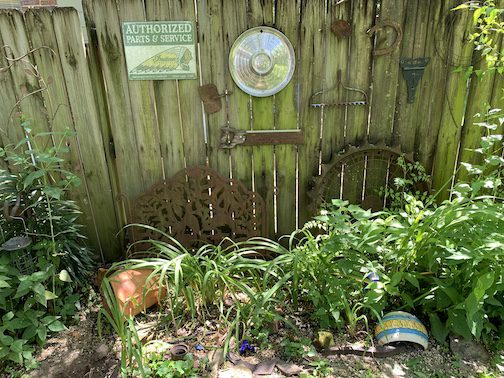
469	350
324	340
238	371
101	351
215	359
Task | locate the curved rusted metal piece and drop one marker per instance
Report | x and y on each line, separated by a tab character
384	24
340	172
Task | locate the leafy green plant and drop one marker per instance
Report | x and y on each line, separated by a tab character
37	297
230	279
163	368
124	326
294	350
319	368
488	20
415	182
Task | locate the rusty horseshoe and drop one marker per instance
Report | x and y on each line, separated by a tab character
384	24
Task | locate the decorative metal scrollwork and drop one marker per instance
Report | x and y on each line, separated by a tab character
198	206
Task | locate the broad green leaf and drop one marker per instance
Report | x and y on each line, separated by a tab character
32	177
16	357
53	191
29	332
412	280
65	276
461	6
56	326
4	351
17	346
50	295
458	324
41	334
6	340
23	288
7	316
49	319
3	282
17	323
438	329
396	278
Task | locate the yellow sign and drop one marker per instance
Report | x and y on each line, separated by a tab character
160	50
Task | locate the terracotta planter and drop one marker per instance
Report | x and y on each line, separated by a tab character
128	286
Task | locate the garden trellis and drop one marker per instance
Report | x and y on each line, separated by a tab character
132	134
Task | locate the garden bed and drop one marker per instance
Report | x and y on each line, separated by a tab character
78	352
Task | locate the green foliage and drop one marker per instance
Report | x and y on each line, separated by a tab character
488	21
163	368
230	279
319	368
39	295
124	326
294	350
415	182
443	263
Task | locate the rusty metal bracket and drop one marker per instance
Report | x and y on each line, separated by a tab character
211	97
412	70
384	24
231	138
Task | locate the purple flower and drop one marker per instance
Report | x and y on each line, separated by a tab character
246	347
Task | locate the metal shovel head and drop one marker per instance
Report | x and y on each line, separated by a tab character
210	97
16	243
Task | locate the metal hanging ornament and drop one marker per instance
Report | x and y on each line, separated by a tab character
262	61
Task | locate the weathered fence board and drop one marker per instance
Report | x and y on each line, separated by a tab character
260	12
40	29
336	73
10	131
212	45
433	95
359	69
239	102
312	64
134	133
170	127
141	96
286	117
25	82
406	119
386	73
447	146
90	142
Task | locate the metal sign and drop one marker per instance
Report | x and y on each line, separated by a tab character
160	50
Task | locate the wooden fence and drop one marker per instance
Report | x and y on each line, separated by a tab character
132	134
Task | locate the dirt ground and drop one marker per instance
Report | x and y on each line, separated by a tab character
79	352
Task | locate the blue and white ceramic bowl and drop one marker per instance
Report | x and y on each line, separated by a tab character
401	326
